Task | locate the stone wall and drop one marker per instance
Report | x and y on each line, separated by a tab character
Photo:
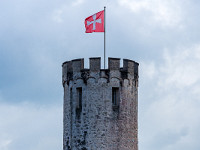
99	125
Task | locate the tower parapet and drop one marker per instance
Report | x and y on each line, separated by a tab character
75	69
100	105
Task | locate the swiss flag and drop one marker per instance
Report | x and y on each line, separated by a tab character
95	23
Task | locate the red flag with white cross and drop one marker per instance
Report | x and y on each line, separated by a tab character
95	23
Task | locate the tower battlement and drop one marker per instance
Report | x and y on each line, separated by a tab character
74	69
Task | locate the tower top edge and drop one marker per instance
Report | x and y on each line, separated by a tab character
131	61
114	58
95	58
79	59
77	65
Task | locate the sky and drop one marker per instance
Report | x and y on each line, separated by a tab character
37	36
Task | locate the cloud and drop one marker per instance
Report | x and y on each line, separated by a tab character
149	70
27	126
181	68
167	13
172	116
57	16
77	2
4	144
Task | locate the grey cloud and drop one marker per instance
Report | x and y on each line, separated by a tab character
28	126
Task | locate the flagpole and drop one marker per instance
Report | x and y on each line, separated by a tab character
104	37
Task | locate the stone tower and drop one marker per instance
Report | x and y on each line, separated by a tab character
100	105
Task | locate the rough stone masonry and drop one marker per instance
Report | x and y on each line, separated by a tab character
100	105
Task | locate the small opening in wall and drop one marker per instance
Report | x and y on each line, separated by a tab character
70	96
115	97
79	98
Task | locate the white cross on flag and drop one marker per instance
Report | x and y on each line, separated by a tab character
95	23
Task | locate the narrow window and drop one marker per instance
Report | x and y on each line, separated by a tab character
79	98
115	96
70	96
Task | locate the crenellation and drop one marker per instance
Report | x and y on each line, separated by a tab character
128	66
74	69
77	65
113	63
69	66
131	67
136	71
64	72
95	64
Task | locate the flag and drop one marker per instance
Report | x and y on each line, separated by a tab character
95	23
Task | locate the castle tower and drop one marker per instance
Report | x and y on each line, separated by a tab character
100	105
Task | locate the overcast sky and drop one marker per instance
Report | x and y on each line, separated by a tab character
37	36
